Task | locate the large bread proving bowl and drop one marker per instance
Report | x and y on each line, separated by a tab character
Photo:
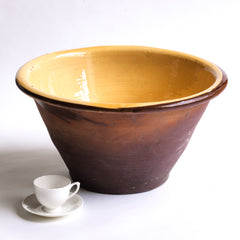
120	116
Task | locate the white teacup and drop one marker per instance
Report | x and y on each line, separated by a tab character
53	190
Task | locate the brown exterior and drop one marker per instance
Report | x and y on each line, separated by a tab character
120	152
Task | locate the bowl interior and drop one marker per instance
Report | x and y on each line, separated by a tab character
118	76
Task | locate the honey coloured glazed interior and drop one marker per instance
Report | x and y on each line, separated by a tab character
119	76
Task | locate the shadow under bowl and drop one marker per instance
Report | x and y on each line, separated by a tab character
120	116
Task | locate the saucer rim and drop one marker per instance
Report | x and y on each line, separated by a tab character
29	209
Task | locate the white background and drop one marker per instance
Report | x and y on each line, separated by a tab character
202	196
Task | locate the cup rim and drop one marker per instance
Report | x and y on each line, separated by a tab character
37	183
212	91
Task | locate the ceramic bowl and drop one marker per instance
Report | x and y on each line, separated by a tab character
120	116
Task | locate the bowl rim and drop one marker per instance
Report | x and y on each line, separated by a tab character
216	88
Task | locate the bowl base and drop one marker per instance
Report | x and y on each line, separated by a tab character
121	189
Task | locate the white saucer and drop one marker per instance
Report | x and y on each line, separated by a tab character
32	205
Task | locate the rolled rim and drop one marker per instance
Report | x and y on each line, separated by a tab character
216	88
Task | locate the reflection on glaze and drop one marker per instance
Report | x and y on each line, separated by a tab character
83	93
51	85
72	54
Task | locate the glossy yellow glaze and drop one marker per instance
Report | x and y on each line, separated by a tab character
119	76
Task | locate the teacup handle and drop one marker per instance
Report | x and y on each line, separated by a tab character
77	184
